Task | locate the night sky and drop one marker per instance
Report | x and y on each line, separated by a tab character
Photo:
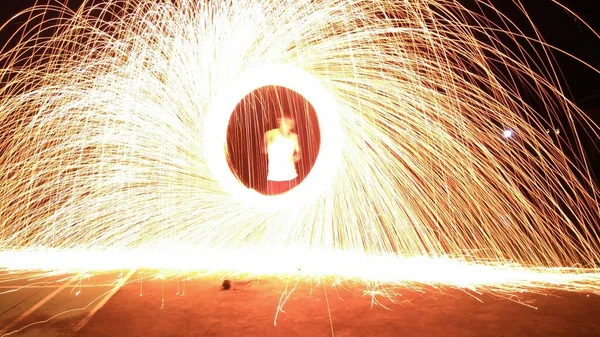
564	31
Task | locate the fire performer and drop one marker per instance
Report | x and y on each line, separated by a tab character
283	152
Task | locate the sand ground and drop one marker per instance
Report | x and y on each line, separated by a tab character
36	304
61	305
200	307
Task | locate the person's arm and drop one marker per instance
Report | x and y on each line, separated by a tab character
265	142
296	150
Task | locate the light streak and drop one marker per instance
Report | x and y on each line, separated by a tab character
106	153
391	269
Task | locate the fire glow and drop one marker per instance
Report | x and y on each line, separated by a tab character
113	133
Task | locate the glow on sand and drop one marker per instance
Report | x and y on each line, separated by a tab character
112	132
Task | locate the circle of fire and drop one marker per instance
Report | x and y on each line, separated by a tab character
215	135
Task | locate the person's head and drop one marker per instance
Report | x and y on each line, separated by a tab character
286	124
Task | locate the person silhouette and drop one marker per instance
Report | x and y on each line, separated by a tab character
283	152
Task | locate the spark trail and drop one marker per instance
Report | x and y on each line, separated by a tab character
105	113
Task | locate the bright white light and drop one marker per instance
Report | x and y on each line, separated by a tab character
392	269
508	133
327	163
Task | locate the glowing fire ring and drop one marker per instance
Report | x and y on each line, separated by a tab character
215	135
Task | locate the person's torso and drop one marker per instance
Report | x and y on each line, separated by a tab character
280	153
